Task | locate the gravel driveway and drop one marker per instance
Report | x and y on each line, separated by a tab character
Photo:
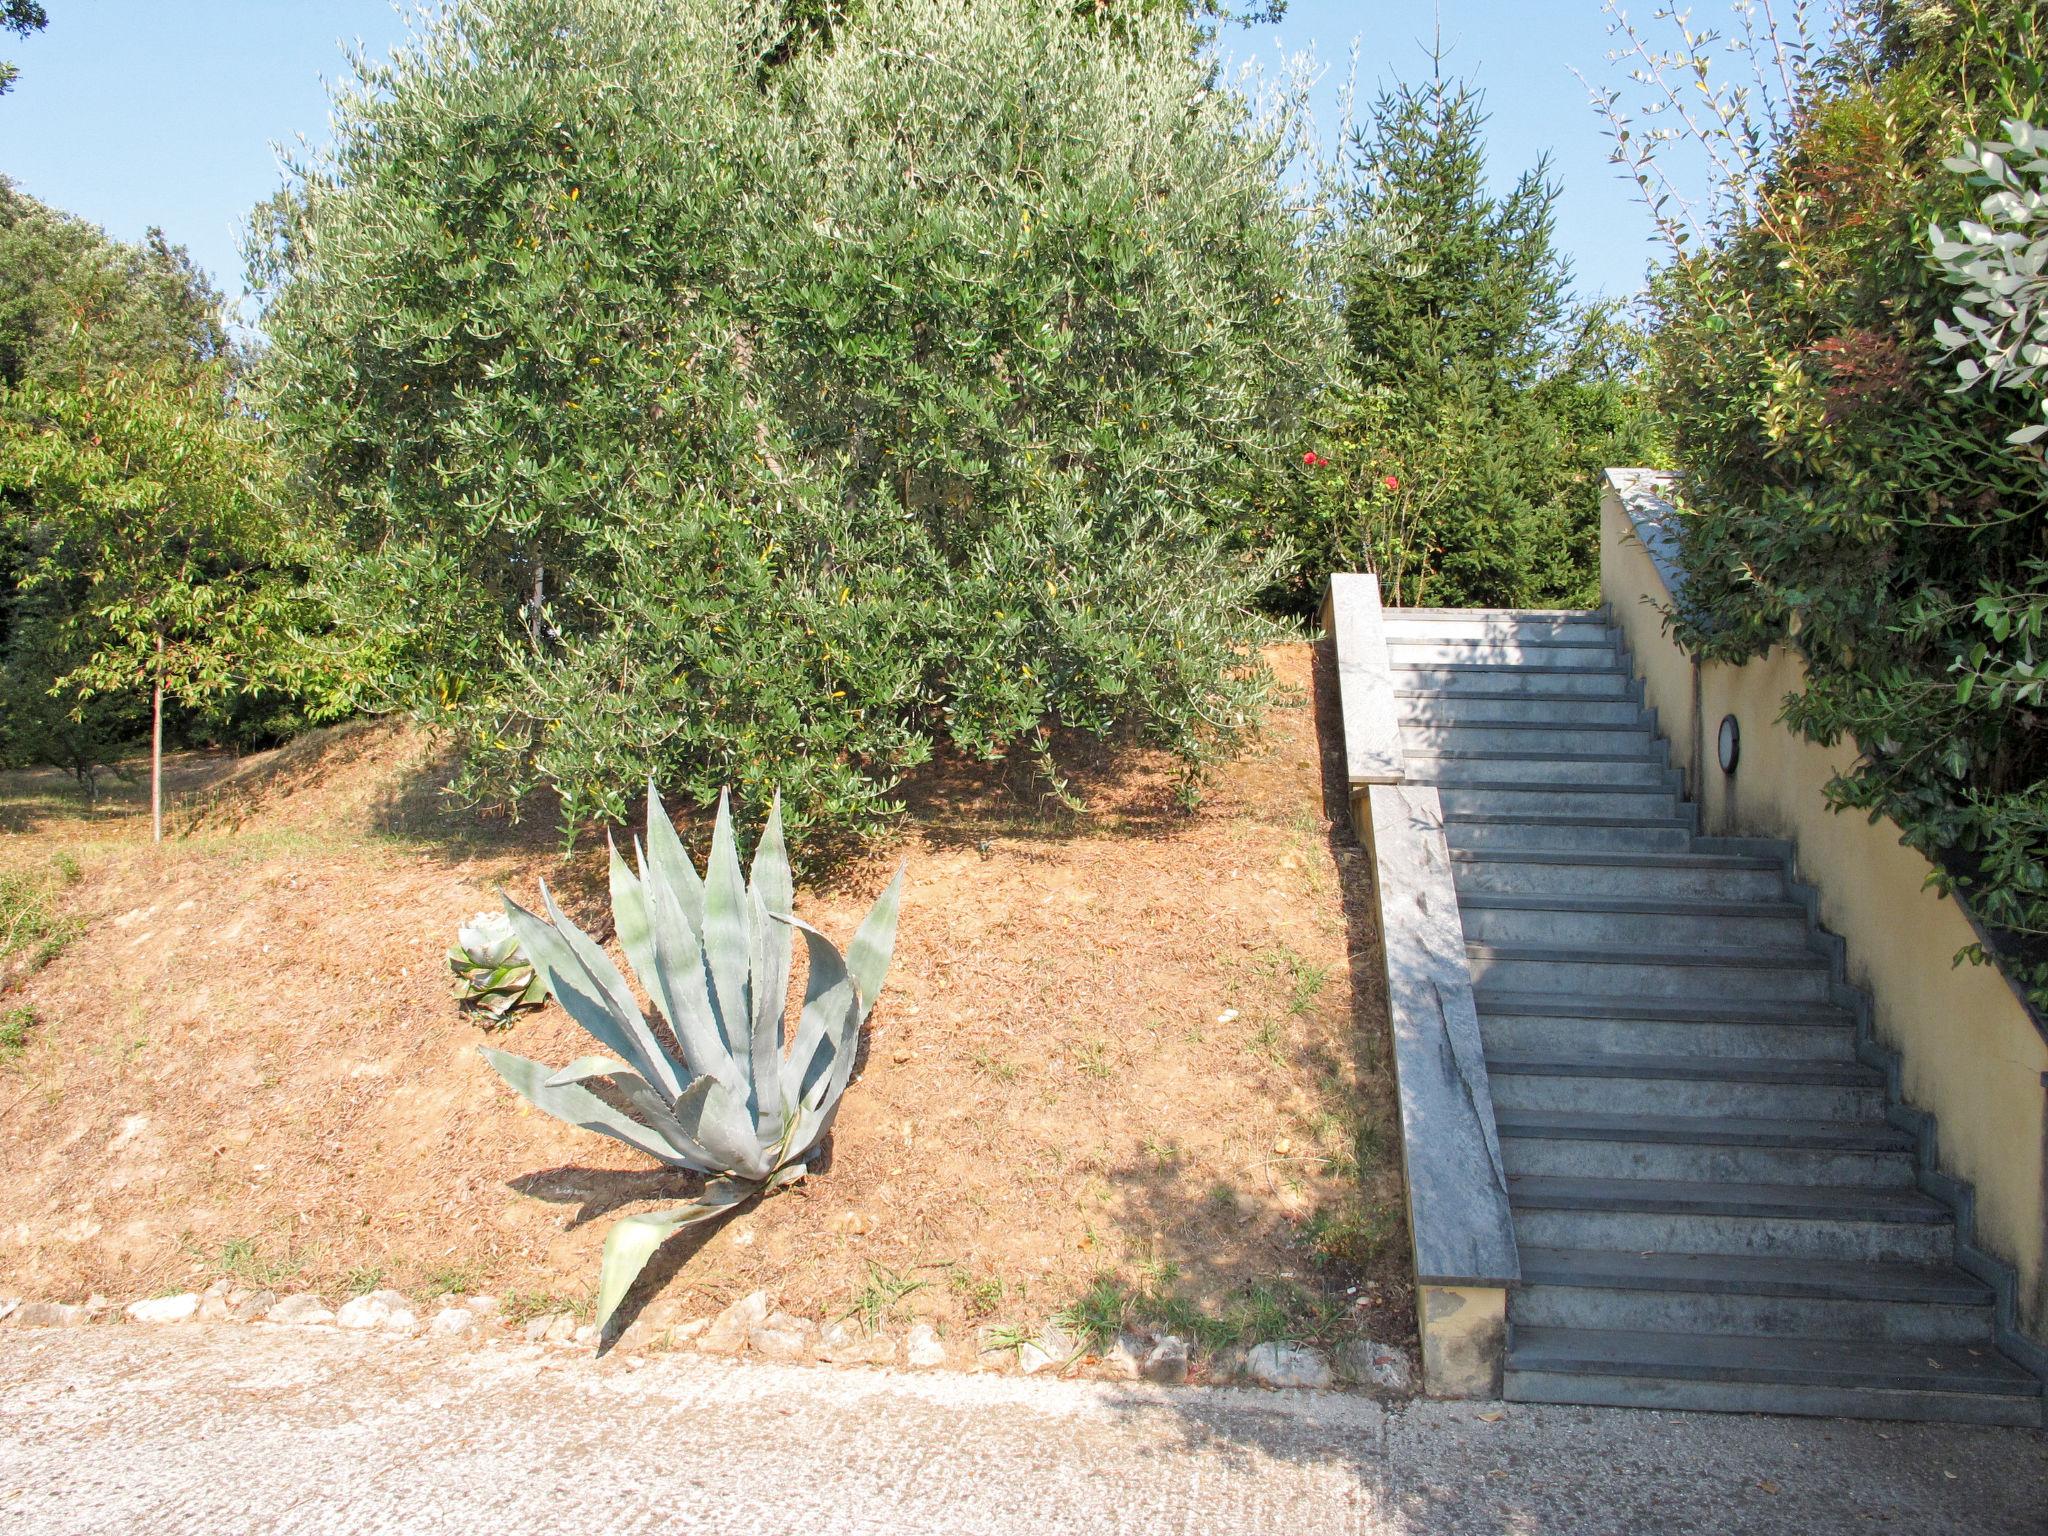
217	1431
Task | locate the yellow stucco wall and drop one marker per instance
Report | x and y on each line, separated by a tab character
1970	1055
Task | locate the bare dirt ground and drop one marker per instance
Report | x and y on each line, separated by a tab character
1137	1044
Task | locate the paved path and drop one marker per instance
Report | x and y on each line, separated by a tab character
219	1431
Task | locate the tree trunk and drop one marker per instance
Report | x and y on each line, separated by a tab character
156	749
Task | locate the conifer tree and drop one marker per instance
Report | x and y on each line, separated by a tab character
1466	451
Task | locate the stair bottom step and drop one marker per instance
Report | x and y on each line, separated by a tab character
1855	1377
1624	1391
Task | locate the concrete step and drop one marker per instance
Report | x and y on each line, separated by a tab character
1601	834
1722	1294
1456	766
1768	1220
1571	1035
1426	708
1620	876
1493	917
1854	1378
1495	798
1792	1092
1480	681
1590	650
1534	738
1723	1149
1496	624
1694	974
1675	1010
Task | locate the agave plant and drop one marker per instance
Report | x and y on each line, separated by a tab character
492	973
736	1101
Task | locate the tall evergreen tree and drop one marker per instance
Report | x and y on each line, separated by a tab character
1461	462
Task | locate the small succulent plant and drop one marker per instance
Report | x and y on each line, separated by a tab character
738	1100
492	973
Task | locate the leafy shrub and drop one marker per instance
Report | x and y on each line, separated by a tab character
690	400
1999	264
1839	496
739	1100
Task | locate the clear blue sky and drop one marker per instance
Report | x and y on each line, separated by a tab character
141	112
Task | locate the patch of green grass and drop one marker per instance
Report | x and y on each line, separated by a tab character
364	1277
1099	1313
1262	1312
452	1280
1093	1060
1268	1042
1222	1196
1306	981
1164	1154
524	1306
979	1295
878	1301
1370	1144
243	1259
1268	1311
1005	1336
29	924
1352	1233
15	1025
1303	978
993	1066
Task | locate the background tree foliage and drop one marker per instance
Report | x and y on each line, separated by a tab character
20	17
1838	495
1460	458
128	507
685	404
149	559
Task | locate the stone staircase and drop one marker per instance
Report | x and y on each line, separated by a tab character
1713	1209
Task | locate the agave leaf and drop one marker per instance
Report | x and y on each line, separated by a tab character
725	934
651	1108
828	1028
764	1064
679	985
775	888
633	1239
868	956
715	1117
666	854
585	1067
630	917
571	984
578	1106
648	1053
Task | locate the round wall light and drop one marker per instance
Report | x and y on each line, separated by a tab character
1728	743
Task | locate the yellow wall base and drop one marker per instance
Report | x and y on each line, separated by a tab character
1464	1339
1969	1053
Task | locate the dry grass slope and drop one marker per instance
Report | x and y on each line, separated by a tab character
1131	1059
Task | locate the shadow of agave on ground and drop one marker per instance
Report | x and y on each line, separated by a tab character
597	1192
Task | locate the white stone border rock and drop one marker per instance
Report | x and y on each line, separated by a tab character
750	1326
